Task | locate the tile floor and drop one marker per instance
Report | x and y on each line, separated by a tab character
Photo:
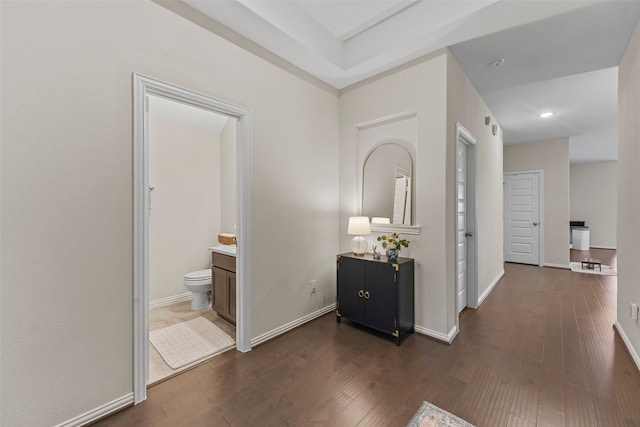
168	315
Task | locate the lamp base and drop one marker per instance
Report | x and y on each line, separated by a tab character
359	245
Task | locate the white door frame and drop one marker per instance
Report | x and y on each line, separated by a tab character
466	137
540	173
143	86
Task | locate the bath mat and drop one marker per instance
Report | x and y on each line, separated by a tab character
188	342
431	416
607	270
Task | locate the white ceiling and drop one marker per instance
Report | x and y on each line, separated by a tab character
558	54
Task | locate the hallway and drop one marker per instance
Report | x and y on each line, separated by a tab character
540	351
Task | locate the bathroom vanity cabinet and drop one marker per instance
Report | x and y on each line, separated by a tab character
376	293
223	282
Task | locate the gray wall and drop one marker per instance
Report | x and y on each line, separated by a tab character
628	200
424	88
66	284
184	169
466	107
594	199
552	157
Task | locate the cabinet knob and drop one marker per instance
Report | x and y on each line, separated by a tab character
361	293
367	295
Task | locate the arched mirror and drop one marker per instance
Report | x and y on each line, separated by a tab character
387	184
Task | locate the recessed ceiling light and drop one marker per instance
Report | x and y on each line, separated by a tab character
546	114
496	63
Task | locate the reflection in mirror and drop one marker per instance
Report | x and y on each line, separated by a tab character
386	184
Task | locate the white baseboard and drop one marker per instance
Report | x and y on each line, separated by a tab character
566	267
493	284
627	342
603	247
284	328
170	300
99	412
448	338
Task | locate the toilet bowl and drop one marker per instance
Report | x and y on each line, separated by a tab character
199	283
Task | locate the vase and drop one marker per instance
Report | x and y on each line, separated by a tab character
392	255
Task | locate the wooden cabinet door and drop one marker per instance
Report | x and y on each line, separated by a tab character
220	296
231	286
350	286
380	297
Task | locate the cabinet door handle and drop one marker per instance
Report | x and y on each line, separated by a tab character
361	293
367	295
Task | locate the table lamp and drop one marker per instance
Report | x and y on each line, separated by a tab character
359	226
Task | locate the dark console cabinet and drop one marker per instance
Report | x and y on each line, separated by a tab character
376	293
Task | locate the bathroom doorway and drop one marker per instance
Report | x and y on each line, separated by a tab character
191	201
143	89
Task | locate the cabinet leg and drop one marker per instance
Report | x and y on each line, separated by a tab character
412	330
397	341
337	319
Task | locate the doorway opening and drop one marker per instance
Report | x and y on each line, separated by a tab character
143	87
191	202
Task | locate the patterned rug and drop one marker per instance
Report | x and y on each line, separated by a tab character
607	270
431	416
190	341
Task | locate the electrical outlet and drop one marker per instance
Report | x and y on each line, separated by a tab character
312	286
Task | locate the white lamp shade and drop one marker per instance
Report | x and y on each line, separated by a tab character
358	226
380	220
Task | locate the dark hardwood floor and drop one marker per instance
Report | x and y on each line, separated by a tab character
540	351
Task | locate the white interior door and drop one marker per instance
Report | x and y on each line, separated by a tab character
522	218
462	224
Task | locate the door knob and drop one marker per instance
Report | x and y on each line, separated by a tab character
468	234
535	223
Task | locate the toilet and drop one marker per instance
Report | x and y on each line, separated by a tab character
199	283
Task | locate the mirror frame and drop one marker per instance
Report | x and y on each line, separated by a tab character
389	228
385	124
395	144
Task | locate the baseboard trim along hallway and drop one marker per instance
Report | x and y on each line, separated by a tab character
99	412
291	325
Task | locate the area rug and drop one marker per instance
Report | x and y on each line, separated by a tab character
187	342
431	416
607	270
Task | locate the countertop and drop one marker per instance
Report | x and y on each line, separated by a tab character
224	249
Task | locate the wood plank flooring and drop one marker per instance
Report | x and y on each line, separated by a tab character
540	351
